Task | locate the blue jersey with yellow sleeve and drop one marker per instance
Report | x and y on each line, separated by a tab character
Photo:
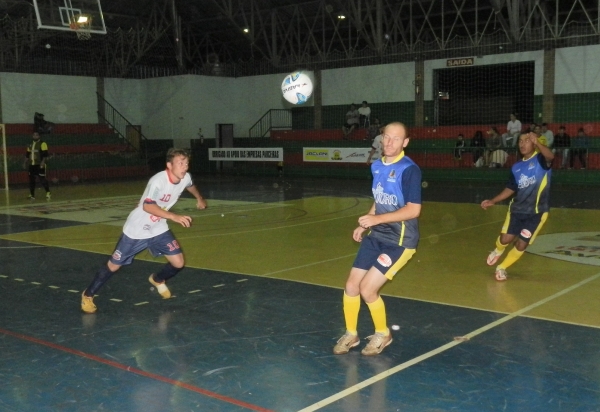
530	179
394	185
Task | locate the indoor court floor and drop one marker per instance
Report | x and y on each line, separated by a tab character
258	308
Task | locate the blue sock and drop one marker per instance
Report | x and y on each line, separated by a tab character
100	279
166	273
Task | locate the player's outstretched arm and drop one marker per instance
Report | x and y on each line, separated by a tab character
200	201
505	194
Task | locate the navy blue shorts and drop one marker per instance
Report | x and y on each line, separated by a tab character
385	257
127	248
526	227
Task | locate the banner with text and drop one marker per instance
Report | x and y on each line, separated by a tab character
337	154
256	154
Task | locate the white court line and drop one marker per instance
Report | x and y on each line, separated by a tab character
443	348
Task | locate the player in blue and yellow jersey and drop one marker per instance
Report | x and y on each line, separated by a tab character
529	182
35	163
391	241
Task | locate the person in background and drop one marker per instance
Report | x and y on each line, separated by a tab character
35	162
579	148
562	145
459	146
513	130
376	147
549	135
352	121
364	112
40	125
492	144
478	147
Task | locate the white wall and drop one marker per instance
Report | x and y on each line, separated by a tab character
175	107
577	70
375	84
62	99
124	95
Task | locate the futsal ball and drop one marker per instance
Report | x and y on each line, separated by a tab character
297	87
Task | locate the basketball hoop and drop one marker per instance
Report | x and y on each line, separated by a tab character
80	24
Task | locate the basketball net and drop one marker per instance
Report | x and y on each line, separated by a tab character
81	24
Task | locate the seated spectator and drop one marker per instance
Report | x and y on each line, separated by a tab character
376	147
579	148
562	144
459	146
513	130
492	143
41	126
373	129
478	145
549	136
364	114
537	129
352	121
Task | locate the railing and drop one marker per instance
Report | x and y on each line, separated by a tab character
273	119
130	134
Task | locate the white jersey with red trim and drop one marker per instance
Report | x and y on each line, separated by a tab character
161	191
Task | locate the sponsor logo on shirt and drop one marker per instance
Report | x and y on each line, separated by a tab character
384	198
525	181
392	176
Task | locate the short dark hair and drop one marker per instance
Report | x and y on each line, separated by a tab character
174	152
365	102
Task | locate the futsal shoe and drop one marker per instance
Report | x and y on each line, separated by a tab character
48	196
493	257
377	343
31	198
345	343
501	275
87	304
160	287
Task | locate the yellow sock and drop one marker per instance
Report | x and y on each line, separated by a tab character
499	246
377	309
351	309
511	258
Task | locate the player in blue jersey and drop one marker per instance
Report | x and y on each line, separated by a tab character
391	241
529	182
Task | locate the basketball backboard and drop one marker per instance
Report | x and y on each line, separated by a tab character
62	14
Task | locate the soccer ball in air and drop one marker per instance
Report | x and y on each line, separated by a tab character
297	87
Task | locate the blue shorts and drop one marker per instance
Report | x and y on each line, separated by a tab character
385	257
526	227
127	248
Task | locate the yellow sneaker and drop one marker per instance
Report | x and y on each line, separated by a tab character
160	287
87	304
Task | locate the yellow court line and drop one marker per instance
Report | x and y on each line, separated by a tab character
443	348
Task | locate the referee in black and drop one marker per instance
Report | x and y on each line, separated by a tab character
35	161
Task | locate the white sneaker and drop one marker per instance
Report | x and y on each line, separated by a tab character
501	275
493	257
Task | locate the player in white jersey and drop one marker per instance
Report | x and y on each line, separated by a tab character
146	228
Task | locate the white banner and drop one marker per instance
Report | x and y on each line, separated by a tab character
256	154
336	154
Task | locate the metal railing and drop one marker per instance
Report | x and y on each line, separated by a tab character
129	133
274	119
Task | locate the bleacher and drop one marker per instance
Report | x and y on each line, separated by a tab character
431	147
77	152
